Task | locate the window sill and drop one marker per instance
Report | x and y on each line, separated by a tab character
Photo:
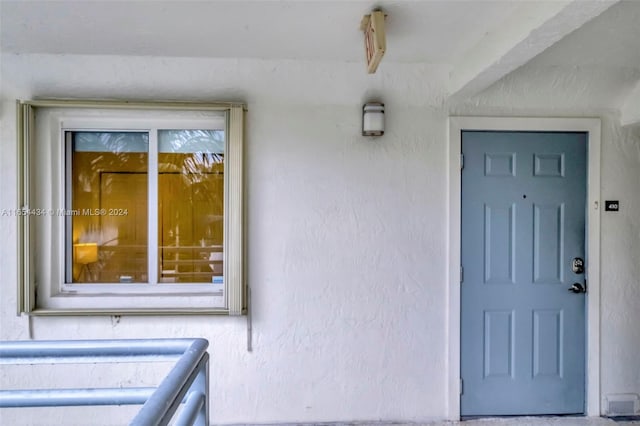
129	312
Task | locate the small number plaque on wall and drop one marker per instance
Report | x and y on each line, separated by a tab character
611	206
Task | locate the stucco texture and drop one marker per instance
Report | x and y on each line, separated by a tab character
346	237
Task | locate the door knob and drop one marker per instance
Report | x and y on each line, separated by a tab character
577	288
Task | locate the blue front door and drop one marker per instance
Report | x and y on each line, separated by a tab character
523	224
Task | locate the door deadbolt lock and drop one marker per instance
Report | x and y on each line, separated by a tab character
577	288
577	265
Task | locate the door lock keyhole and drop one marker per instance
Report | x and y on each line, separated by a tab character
577	265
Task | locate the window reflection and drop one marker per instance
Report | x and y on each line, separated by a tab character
109	202
190	205
108	213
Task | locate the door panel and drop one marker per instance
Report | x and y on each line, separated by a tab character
523	221
499	250
548	224
547	343
498	344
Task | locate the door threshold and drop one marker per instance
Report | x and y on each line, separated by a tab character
624	418
518	416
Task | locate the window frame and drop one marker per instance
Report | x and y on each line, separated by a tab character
167	301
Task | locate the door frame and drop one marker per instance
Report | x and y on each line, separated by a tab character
591	126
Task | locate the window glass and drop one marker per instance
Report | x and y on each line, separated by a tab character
191	141
190	205
107	184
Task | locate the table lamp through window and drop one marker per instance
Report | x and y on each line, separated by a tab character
84	254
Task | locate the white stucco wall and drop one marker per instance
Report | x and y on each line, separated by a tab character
620	267
346	237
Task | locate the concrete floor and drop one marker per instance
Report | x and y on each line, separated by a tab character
515	421
541	421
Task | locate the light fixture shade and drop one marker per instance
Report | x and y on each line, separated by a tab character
373	119
85	253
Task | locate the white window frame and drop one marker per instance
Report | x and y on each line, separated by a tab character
41	286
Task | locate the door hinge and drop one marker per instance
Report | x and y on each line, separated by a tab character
461	274
461	386
461	161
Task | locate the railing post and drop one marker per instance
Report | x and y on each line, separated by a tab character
201	384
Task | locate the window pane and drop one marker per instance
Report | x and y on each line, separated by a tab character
108	210
191	205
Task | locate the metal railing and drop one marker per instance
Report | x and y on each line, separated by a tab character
188	380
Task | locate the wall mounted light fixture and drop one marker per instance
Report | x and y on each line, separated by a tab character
373	119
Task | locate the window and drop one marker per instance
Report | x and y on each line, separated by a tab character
130	208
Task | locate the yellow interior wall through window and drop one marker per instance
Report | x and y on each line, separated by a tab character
190	215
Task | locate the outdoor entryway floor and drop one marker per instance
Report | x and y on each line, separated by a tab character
507	421
541	421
